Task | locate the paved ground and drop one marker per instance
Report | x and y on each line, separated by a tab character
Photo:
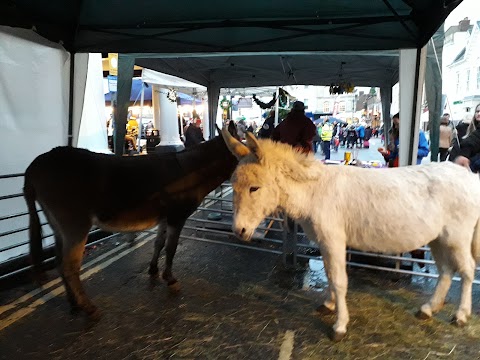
363	154
234	304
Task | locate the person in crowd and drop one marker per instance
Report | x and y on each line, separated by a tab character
297	129
361	134
446	136
469	151
268	125
317	140
193	134
132	133
241	129
368	133
149	126
351	136
327	134
342	134
391	154
462	127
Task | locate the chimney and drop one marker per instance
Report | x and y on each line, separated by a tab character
464	24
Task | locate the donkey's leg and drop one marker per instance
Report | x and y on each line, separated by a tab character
159	243
328	305
72	261
465	264
334	254
446	271
174	228
74	232
59	264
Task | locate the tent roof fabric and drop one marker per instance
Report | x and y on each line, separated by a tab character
375	68
244	43
208	26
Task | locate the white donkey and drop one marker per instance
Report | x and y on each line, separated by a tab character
436	204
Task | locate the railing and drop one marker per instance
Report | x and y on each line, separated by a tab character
274	235
14	246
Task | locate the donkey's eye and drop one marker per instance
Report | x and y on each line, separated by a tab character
254	188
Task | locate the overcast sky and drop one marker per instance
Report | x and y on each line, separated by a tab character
468	8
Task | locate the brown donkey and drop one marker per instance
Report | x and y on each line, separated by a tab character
77	188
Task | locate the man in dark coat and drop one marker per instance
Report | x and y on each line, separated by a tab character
297	129
268	126
193	134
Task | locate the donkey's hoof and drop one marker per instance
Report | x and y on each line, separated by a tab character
422	315
338	336
75	309
459	322
153	270
95	315
174	287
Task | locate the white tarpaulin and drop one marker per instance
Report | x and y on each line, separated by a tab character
34	89
34	93
168	81
93	128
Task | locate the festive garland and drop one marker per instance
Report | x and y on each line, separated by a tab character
265	105
225	104
282	99
341	88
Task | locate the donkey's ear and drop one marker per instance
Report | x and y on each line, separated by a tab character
236	147
253	145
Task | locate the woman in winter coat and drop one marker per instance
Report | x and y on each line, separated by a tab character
446	136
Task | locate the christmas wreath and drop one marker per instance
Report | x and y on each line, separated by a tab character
225	103
172	95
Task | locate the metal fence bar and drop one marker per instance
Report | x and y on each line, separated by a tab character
5	197
8	176
8	217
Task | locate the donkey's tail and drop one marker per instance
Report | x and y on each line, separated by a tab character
35	229
476	242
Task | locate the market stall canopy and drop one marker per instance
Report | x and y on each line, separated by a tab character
135	94
372	68
126	26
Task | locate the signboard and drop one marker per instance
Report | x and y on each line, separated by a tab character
245	103
113	64
112	83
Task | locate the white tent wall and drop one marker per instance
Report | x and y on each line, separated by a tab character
34	95
36	121
91	129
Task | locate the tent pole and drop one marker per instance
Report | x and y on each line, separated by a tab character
140	123
70	100
120	111
411	88
276	107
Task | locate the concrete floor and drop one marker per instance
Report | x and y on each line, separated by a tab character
233	304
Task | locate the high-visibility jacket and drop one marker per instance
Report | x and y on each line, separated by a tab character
327	132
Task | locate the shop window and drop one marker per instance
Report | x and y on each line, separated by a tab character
467	83
326	106
478	78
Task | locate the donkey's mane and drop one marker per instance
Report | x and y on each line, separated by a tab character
285	158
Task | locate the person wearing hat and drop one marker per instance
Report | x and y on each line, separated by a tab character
268	126
193	134
297	129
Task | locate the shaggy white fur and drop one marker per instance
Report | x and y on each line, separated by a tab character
381	210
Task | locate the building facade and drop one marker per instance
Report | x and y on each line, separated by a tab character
461	69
